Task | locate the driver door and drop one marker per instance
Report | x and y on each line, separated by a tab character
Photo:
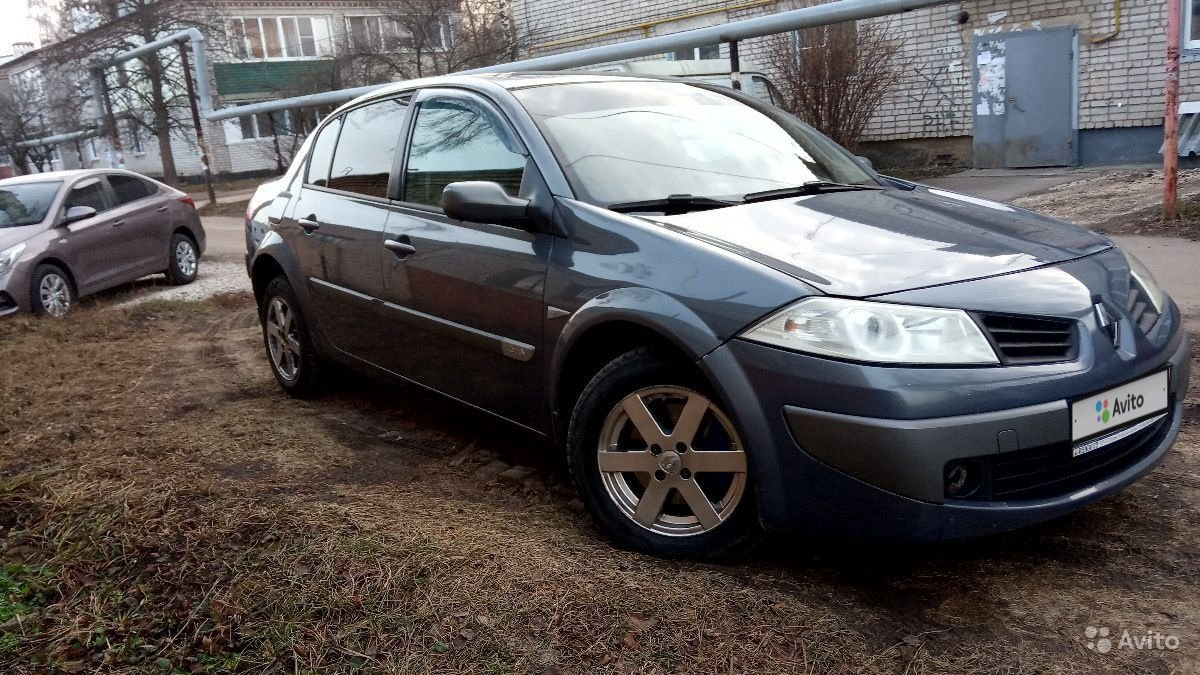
464	300
99	255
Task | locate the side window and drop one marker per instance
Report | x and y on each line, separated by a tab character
89	192
456	140
129	189
366	150
322	154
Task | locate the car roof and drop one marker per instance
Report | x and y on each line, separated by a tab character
512	81
65	176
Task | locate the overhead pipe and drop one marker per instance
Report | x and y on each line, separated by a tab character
192	35
60	138
818	15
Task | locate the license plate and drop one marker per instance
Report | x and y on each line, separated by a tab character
1112	409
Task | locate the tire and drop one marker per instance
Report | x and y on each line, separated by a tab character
50	291
184	263
290	352
665	523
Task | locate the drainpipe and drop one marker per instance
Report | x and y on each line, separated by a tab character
1171	119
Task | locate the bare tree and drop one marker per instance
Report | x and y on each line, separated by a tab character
149	92
23	118
835	77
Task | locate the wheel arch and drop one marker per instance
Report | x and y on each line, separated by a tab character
60	264
617	322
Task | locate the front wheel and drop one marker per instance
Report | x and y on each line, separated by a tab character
50	291
659	463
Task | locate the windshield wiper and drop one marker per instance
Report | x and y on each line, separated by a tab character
672	204
810	188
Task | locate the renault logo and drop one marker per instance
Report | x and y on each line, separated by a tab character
1108	323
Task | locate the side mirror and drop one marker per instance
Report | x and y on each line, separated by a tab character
480	201
865	163
78	213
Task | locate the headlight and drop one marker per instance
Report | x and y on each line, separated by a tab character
876	332
1146	280
8	257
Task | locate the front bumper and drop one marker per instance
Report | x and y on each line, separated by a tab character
848	449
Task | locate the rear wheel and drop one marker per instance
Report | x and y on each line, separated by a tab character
294	361
659	463
185	260
50	291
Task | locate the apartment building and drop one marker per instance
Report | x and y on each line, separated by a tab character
264	49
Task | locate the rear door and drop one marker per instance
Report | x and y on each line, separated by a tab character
144	222
99	258
336	225
465	300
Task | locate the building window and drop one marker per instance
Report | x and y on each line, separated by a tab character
1191	24
284	123
280	37
695	53
389	34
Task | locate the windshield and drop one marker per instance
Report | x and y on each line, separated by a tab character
624	142
26	203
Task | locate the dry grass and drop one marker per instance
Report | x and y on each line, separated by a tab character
165	509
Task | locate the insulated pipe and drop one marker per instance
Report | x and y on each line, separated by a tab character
55	140
193	35
807	17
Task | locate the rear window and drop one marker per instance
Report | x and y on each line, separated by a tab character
129	188
26	204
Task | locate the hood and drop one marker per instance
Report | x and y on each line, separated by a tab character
11	236
869	242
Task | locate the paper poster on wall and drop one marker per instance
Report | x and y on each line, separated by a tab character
990	83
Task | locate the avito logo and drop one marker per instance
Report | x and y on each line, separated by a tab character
1105	413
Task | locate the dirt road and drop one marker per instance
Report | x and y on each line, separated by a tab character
165	508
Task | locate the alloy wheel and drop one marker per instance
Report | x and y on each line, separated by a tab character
55	294
185	258
671	461
282	340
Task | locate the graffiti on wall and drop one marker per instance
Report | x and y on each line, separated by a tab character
991	85
935	97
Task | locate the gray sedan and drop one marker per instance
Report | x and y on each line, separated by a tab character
726	321
68	234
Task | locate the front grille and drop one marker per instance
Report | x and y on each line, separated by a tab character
1026	340
1051	471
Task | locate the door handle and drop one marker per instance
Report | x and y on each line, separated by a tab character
400	248
161	209
308	225
118	223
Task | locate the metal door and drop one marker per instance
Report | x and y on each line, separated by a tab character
1024	99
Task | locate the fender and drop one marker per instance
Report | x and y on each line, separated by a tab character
647	307
274	248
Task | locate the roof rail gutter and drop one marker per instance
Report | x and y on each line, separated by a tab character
818	15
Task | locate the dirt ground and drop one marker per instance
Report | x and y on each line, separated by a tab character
1125	201
165	508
